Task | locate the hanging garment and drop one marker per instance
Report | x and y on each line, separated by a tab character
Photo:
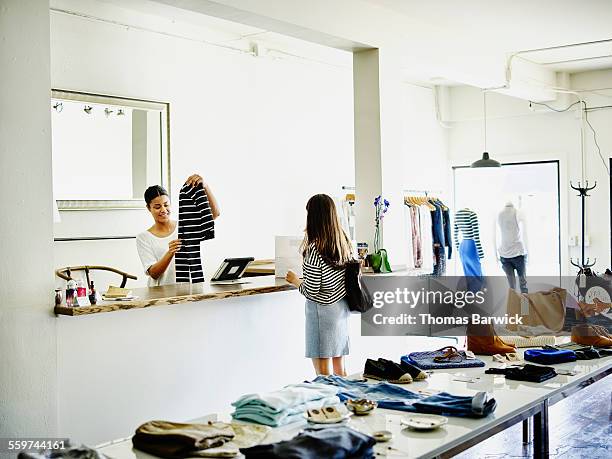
392	397
332	442
468	252
437	225
426	239
416	236
195	225
439	240
440	265
466	224
410	259
447	230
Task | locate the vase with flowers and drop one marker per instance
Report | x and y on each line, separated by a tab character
379	260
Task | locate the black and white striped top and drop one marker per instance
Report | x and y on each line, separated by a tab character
196	224
322	283
466	223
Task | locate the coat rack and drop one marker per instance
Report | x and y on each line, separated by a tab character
583	264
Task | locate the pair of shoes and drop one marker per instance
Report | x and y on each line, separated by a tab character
591	335
387	370
323	414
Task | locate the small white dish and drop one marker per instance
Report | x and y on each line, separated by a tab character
342	418
418	421
382	436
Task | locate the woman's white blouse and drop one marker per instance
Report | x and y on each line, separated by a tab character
151	249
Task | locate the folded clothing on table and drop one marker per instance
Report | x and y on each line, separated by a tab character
214	439
425	360
284	406
392	397
529	373
69	451
549	356
332	443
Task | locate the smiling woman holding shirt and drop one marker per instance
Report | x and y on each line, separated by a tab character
158	245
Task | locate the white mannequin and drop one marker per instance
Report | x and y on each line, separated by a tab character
511	244
511	241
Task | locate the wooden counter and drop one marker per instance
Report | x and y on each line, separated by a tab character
182	293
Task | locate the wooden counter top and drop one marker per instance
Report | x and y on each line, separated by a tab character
182	293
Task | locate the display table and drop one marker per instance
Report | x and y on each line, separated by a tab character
516	402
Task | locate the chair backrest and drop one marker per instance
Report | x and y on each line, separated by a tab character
65	273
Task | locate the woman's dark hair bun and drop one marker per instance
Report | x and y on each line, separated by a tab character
153	192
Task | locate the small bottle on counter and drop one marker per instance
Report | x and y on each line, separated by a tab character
92	294
81	289
58	297
71	293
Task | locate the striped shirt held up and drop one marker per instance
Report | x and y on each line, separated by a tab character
195	225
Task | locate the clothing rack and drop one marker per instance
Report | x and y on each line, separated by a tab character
426	192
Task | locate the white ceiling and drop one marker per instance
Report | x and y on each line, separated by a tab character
445	42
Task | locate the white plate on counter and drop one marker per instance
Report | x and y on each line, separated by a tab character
418	421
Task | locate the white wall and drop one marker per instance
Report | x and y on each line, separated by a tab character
516	133
28	380
266	133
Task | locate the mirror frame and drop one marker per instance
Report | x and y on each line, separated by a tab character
113	204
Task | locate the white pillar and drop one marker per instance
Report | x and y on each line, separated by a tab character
28	375
380	167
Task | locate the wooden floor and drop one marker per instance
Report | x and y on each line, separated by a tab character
580	427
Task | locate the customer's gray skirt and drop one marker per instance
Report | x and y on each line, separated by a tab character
327	329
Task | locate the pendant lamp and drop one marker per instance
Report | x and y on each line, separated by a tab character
486	160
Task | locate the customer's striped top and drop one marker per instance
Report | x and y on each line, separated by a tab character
466	223
322	283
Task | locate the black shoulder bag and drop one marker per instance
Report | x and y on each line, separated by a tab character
357	295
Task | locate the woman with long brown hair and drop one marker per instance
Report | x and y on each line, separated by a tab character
325	249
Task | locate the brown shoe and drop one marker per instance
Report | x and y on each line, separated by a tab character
488	345
482	339
588	335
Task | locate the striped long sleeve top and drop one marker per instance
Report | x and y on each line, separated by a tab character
322	283
196	224
466	223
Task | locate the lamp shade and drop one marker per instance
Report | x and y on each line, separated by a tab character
486	161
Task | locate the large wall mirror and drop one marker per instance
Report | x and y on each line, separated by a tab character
106	150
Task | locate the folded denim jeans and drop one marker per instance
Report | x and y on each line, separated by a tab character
392	397
331	443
